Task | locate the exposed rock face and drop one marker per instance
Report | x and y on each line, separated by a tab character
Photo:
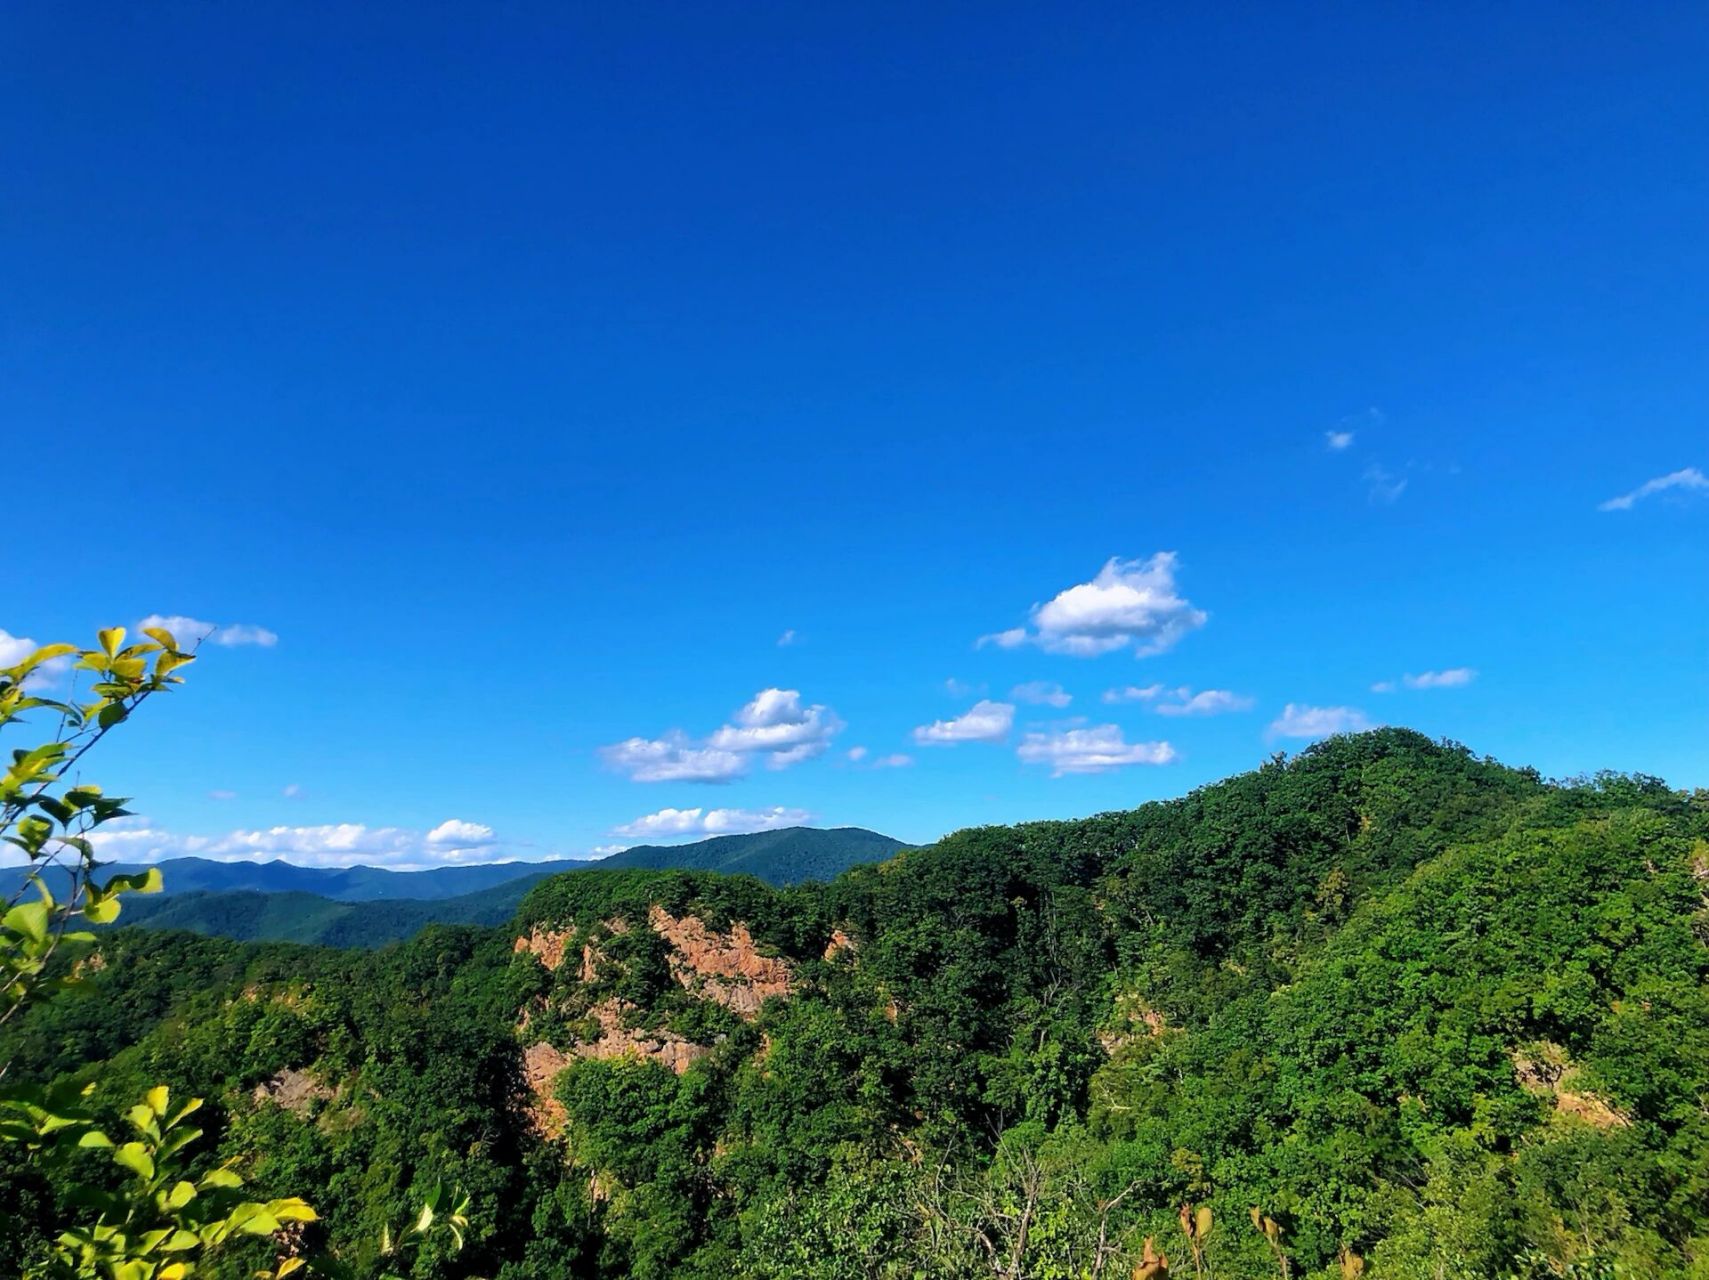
541	1064
294	1090
1546	1069
546	944
662	1046
840	944
727	967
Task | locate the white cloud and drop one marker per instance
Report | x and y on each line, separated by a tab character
1383	686
222	795
712	822
606	850
1453	678
1013	638
786	639
1046	693
1383	485
1130	604
14	649
963	688
1133	693
1207	702
1300	721
1338	440
1688	479
856	754
339	844
1096	749
189	631
985	721
292	790
773	726
460	834
776	724
672	758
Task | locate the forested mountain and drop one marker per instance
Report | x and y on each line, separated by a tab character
371	906
339	884
786	856
790	855
1434	1017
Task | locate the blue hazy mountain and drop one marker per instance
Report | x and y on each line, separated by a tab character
367	906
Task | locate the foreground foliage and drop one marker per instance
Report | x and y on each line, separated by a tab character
1382	1010
142	1207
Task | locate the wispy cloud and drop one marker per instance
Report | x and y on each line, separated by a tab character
1130	604
711	822
1041	693
786	639
1093	749
1452	678
1133	693
190	631
1180	700
1301	721
1336	441
1686	480
774	727
861	757
1206	702
1382	485
985	721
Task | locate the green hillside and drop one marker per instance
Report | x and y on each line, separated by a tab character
303	917
1433	1016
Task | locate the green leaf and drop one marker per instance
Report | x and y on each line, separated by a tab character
180	1195
293	1209
101	910
47	653
150	881
134	1156
29	919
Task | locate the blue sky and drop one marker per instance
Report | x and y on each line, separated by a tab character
528	372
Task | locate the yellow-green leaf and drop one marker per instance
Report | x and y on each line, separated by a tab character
29	919
134	1156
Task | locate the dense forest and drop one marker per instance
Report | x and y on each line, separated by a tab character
1383	1009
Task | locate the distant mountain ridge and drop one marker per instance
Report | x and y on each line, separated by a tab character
370	906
